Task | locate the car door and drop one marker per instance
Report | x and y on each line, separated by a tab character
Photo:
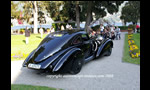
87	46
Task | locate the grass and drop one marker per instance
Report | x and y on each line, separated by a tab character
19	49
30	87
126	56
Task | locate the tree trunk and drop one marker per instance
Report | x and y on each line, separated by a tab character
125	23
77	15
89	15
35	17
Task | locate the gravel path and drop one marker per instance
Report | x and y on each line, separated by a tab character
105	73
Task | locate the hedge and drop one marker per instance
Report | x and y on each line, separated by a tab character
123	27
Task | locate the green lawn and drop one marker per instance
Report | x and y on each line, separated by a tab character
19	48
126	56
30	87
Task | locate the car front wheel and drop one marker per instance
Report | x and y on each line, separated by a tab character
109	51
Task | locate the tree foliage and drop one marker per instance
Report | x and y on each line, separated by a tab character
14	12
100	8
131	12
69	10
53	8
27	10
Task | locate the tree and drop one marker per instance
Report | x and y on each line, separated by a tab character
53	8
99	8
14	12
30	10
35	12
131	12
69	10
27	10
77	15
89	16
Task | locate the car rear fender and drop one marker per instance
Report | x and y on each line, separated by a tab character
65	58
54	58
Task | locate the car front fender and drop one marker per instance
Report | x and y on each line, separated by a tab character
102	46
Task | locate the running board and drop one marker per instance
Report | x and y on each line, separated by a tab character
89	58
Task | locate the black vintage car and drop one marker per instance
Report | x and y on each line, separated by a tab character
66	51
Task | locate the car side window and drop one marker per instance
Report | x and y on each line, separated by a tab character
77	40
85	37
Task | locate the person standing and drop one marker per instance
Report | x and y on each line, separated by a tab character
67	26
117	30
41	31
52	30
112	28
27	35
70	27
102	29
105	35
112	35
112	32
138	28
62	27
92	33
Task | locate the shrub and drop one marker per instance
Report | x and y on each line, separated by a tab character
135	53
133	49
22	30
130	37
131	42
131	27
123	27
18	55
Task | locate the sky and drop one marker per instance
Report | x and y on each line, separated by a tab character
116	17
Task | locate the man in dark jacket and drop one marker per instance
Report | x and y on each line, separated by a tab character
27	35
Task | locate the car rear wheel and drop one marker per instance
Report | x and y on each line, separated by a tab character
76	68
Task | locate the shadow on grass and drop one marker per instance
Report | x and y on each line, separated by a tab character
24	41
38	37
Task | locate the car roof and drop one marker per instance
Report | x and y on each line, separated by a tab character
65	35
69	32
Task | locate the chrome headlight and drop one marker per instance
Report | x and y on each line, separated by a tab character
99	38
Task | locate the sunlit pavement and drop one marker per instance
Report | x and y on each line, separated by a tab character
105	73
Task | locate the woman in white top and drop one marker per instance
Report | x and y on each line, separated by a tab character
117	30
52	29
41	31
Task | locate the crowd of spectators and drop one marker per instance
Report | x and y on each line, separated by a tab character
109	31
